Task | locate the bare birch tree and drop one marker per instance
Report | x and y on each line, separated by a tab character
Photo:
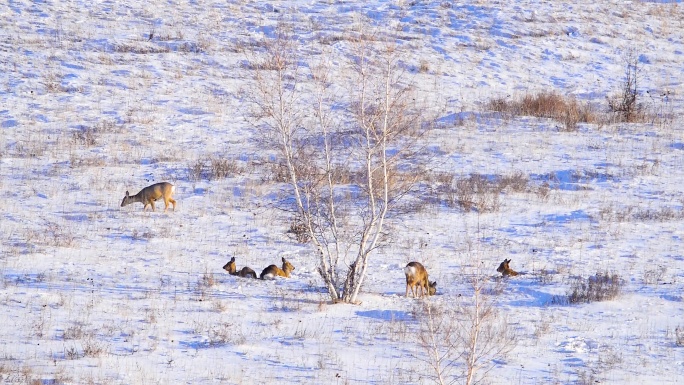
347	138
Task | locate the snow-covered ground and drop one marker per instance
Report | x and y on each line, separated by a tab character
100	97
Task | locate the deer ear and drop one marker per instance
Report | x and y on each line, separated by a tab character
232	259
283	258
126	192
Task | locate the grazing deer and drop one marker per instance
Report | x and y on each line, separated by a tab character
246	272
273	271
416	275
505	269
149	194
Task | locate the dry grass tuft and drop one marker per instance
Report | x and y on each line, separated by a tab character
551	105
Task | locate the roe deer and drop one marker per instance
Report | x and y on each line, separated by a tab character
149	194
505	269
246	272
416	275
273	271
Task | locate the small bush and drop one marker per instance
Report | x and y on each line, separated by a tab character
85	136
424	67
73	333
679	336
566	110
196	170
212	169
222	168
225	333
654	276
93	348
298	231
599	287
624	105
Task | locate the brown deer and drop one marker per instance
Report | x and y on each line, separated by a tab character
150	194
246	272
505	269
416	275
273	271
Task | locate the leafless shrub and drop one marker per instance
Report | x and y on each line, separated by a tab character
654	276
107	126
543	191
225	333
477	192
634	213
85	136
75	332
599	287
551	105
212	168
141	235
220	168
659	215
277	173
92	347
584	378
330	39
200	46
53	83
545	276
208	280
196	170
624	105
679	336
140	48
299	231
58	236
151	316
424	67
218	306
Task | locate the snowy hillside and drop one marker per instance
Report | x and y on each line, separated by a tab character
102	97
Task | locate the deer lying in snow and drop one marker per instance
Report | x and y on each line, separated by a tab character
246	272
150	194
416	275
505	269
273	271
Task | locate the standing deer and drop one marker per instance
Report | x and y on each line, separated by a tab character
150	194
505	269
246	272
416	275
273	271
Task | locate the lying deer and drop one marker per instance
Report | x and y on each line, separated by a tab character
150	194
246	272
505	269
416	275
273	271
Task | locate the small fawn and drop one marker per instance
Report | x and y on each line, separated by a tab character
416	275
149	194
273	271
505	269
246	272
